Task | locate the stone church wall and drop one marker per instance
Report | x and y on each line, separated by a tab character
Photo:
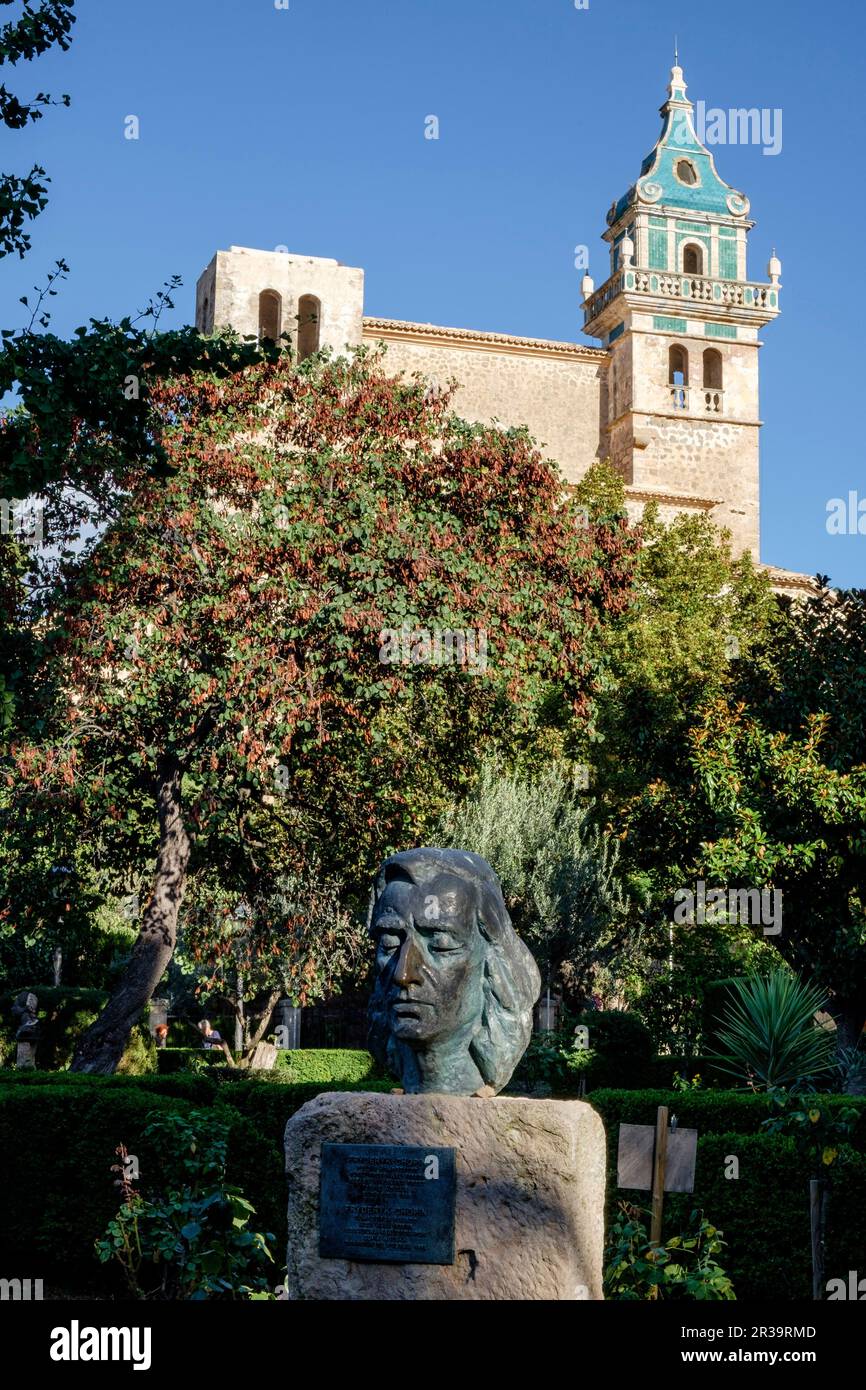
554	389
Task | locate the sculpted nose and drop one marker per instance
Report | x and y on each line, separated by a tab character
408	971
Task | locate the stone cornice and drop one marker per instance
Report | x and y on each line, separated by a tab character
789	579
676	499
472	340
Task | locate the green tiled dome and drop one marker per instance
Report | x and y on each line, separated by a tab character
659	184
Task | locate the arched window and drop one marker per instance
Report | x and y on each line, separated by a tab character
309	325
713	369
693	260
270	316
713	398
205	314
678	376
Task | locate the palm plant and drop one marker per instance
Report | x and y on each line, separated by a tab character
769	1036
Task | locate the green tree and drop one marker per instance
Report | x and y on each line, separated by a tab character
293	938
559	873
772	795
699	618
36	30
699	614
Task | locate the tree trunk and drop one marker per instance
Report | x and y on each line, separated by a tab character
240	1021
101	1047
258	1031
849	1015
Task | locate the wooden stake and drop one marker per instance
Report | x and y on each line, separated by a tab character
660	1154
818	1196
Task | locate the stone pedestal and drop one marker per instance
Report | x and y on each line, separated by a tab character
530	1196
25	1057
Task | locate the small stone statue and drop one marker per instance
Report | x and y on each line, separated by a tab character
24	1013
451	1009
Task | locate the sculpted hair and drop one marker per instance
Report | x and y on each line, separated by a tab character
511	982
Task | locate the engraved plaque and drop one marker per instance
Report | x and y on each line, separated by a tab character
392	1203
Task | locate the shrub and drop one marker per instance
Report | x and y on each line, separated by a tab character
328	1064
665	1070
683	1267
57	1144
188	1059
559	872
191	1228
620	1053
58	1135
622	1047
550	1064
764	1211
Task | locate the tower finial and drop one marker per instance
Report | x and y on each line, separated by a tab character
676	50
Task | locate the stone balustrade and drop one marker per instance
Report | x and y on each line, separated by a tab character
725	293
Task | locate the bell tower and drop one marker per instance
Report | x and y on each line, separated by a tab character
680	322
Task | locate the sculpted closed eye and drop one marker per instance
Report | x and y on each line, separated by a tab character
389	941
443	941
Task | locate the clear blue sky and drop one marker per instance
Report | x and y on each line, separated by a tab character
305	127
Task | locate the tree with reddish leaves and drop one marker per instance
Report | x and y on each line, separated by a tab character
259	651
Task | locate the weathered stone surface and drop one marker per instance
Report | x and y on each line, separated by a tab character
530	1196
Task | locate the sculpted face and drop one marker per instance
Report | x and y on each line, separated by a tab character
429	957
451	1008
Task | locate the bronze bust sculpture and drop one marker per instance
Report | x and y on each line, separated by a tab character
455	986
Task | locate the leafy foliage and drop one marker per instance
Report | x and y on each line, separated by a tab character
194	1233
551	1063
670	982
559	874
294	940
36	30
220	638
772	794
699	613
683	1267
817	1130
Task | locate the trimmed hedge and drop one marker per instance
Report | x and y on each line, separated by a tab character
58	1144
764	1213
718	1112
188	1059
328	1064
58	1135
323	1065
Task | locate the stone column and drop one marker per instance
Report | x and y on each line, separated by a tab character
157	1015
287	1017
